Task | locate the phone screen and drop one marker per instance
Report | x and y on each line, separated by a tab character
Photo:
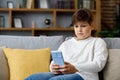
57	57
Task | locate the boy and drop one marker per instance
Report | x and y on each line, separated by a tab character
84	55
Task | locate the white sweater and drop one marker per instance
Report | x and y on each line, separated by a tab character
89	56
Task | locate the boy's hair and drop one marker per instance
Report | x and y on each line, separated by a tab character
82	15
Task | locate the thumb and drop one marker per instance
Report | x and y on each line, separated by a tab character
67	63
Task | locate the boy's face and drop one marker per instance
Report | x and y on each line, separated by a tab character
82	30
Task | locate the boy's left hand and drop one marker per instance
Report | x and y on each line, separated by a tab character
67	68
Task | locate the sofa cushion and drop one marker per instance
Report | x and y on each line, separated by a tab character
112	68
112	43
30	42
23	63
4	71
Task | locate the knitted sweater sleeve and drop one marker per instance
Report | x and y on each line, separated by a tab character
99	60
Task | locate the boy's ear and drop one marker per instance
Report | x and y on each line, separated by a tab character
92	25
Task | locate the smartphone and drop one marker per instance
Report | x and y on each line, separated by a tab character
57	57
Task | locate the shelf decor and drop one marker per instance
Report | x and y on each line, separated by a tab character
17	22
10	4
33	24
47	22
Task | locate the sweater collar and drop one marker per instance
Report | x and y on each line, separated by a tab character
82	39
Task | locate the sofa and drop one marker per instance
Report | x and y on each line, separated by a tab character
15	51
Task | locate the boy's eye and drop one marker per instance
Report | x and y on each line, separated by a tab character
75	26
83	25
80	25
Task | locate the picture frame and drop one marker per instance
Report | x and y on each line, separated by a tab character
10	4
17	22
2	20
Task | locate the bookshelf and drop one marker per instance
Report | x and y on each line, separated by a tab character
33	17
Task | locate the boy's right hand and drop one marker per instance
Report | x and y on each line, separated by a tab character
55	69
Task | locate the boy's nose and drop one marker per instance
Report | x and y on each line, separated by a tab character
80	28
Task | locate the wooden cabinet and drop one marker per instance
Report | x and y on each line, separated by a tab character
33	18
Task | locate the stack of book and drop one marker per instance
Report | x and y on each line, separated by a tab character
27	3
62	4
89	4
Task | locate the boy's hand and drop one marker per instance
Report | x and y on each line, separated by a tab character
55	69
67	68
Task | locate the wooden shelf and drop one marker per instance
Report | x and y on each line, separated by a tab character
58	17
54	29
10	29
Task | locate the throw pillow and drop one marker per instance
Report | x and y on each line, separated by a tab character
4	71
112	68
23	63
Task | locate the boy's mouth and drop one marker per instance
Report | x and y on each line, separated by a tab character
80	33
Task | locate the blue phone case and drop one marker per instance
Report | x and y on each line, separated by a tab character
57	57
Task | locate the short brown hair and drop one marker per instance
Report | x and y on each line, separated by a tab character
82	15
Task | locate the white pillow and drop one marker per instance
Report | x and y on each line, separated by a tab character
112	68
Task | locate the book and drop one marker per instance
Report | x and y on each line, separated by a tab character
92	4
57	57
29	4
80	4
60	4
67	4
86	4
1	21
43	4
118	10
36	3
72	4
24	3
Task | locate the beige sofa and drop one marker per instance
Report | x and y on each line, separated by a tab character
112	68
110	72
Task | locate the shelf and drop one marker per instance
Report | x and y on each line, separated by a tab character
11	29
54	29
46	29
60	17
4	9
40	10
27	10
